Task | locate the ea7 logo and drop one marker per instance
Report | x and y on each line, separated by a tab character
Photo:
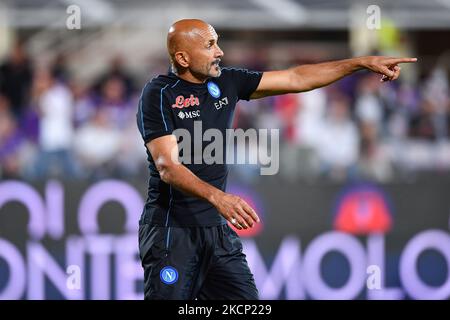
222	102
188	115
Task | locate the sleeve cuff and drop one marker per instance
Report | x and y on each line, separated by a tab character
155	135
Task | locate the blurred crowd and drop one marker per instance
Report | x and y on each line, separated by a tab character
54	126
361	128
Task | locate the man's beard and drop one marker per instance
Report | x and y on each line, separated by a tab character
207	71
215	65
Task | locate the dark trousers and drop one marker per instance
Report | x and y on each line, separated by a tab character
186	263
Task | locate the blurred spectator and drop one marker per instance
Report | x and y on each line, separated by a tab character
117	70
16	153
405	103
113	98
310	118
59	68
10	139
54	103
426	123
84	105
431	122
374	162
287	108
15	79
368	105
97	144
130	159
337	143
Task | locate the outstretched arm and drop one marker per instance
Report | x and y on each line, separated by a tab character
311	76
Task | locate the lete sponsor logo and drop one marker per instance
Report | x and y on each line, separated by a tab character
182	102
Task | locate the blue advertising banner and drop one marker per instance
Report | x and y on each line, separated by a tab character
315	241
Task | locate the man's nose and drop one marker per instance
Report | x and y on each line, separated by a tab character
219	52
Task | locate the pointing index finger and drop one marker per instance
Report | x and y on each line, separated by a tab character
402	60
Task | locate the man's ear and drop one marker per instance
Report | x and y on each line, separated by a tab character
182	58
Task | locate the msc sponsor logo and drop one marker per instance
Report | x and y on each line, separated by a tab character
188	114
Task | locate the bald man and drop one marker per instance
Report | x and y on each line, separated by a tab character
187	248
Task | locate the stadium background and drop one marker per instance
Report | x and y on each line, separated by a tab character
364	166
